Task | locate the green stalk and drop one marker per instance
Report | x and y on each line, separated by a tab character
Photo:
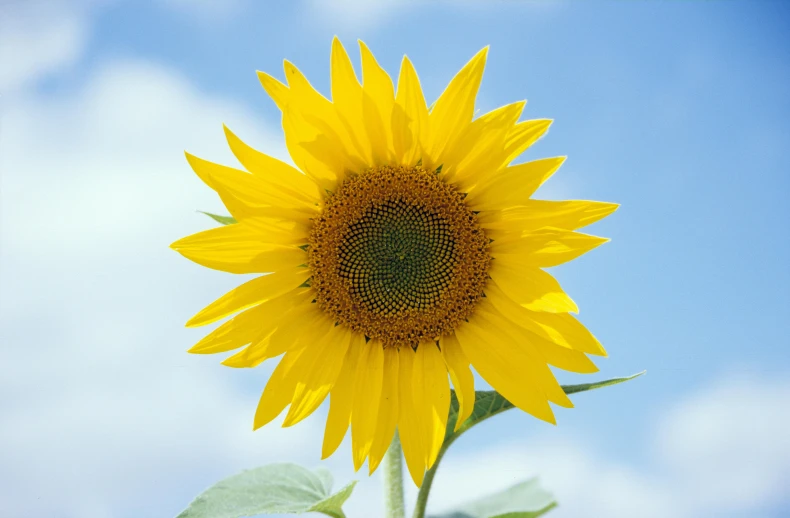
394	506
427	482
491	409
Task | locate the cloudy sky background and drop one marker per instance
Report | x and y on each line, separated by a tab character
676	110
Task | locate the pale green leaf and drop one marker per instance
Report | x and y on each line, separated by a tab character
524	500
272	489
583	387
225	220
488	403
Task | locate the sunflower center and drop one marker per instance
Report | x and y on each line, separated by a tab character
398	256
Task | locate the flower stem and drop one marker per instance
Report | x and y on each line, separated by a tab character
393	480
427	482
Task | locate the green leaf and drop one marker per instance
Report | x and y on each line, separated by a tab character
489	403
524	500
272	489
584	387
225	220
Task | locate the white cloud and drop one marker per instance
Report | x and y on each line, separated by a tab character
583	484
729	445
721	452
109	164
39	37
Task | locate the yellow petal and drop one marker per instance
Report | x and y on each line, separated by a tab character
278	313
239	253
367	392
562	357
523	135
564	329
299	216
277	174
347	97
326	150
302	93
279	390
376	82
410	119
319	373
238	209
532	288
346	90
409	426
309	116
376	132
479	151
461	375
378	101
519	343
278	231
299	136
251	356
256	232
251	246
453	110
512	186
544	248
559	328
341	399
388	409
534	214
430	380
251	293
249	189
292	328
503	367
236	332
276	90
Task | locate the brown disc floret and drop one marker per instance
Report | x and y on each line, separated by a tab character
397	255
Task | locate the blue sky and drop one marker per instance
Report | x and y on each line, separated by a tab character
676	110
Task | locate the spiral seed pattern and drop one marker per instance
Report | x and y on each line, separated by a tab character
397	255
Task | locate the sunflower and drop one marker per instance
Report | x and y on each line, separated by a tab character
403	249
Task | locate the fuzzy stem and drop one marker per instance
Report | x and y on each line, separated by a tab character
393	480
